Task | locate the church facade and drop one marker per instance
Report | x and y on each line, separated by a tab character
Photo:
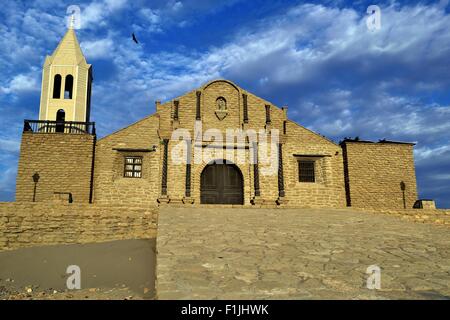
216	144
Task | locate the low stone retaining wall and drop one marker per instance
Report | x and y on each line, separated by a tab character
30	224
435	216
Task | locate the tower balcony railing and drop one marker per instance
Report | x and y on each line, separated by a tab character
69	127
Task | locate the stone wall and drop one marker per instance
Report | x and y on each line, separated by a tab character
63	162
234	120
31	224
433	216
235	110
328	189
110	185
374	172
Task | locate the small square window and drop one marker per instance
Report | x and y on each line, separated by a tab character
306	171
133	167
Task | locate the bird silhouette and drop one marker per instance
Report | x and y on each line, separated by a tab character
134	38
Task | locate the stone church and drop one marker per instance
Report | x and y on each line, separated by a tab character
217	144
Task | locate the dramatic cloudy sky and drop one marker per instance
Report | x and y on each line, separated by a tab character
319	58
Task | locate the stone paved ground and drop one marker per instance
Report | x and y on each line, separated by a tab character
237	253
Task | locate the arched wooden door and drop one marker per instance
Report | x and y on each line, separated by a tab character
221	184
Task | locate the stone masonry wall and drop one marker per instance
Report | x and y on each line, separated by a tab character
63	162
235	117
110	185
234	120
31	224
328	189
375	171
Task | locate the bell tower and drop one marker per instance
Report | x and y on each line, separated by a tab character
56	160
66	83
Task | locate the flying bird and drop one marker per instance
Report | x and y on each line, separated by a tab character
134	38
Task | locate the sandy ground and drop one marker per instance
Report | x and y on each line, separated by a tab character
111	270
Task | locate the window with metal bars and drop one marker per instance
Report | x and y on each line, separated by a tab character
306	171
133	167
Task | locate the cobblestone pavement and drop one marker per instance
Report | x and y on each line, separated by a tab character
237	253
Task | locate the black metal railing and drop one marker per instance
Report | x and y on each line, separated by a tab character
47	126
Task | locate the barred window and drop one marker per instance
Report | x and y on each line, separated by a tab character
306	171
133	167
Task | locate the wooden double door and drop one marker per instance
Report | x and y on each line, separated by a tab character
221	184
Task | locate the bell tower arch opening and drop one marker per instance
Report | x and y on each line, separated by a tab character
60	118
57	86
68	87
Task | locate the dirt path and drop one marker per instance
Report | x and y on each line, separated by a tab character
122	269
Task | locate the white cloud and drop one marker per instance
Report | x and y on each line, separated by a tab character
444	177
102	48
8	179
115	4
21	83
97	13
9	145
93	15
424	153
150	15
152	21
41	24
177	6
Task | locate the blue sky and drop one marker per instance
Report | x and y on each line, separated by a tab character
337	77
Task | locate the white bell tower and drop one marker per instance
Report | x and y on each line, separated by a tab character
66	82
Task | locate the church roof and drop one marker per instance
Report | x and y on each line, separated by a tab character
68	51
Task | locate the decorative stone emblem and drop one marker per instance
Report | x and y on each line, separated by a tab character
221	108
